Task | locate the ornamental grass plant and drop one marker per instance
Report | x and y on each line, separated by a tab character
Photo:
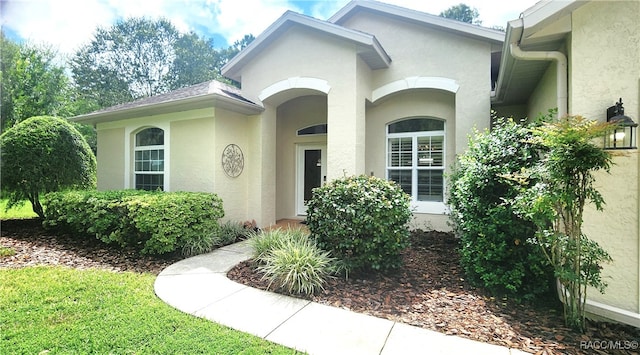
293	261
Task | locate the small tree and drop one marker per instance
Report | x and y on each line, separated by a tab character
556	202
44	154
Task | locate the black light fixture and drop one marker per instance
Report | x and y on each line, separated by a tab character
624	134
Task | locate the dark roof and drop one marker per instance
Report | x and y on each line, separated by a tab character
207	93
205	88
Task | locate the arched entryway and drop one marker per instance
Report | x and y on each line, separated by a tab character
301	141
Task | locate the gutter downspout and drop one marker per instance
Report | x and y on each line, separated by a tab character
561	75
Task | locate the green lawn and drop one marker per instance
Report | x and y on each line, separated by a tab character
57	310
17	212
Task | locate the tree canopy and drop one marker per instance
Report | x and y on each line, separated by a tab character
140	57
44	154
462	12
32	83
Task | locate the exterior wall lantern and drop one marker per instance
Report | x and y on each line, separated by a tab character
624	134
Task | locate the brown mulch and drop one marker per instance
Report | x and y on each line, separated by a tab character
35	246
429	291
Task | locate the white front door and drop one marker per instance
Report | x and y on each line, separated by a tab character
311	172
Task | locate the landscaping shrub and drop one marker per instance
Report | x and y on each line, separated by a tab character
44	154
176	219
496	250
102	214
292	260
155	222
361	220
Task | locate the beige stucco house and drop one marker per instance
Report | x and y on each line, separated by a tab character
581	57
377	89
387	91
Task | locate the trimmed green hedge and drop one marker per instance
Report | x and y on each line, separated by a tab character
155	222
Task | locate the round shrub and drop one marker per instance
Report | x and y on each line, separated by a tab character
44	154
495	249
362	221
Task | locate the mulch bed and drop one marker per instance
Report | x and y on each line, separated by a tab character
429	291
35	246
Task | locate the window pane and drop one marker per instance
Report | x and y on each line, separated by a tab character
149	160
430	151
317	129
403	178
417	125
150	136
400	152
430	185
150	182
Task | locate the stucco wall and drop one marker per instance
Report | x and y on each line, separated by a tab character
615	229
231	128
299	52
605	47
417	50
544	96
194	142
192	155
110	157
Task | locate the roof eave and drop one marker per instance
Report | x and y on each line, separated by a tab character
462	28
514	30
203	101
519	30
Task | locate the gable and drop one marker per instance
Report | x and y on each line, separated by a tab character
366	45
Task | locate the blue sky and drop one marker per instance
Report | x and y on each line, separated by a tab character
68	24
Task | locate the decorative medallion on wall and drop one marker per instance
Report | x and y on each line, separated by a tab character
232	160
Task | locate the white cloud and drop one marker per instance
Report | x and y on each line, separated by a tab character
67	24
237	18
63	24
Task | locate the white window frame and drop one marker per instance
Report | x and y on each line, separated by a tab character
150	148
431	207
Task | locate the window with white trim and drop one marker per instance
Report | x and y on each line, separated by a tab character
416	159
149	159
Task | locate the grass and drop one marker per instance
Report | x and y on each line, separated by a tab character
21	211
58	310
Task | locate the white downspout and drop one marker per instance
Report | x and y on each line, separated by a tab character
561	63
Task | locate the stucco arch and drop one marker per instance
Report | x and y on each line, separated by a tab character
287	89
415	82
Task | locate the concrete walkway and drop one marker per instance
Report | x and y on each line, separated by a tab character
199	286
